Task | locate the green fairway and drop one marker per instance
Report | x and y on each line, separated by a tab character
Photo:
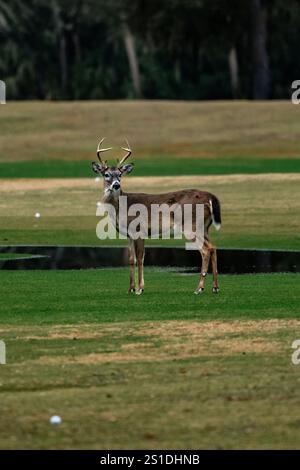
42	139
167	369
249	150
163	165
88	238
49	297
258	211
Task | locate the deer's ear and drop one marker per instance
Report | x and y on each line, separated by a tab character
126	169
97	167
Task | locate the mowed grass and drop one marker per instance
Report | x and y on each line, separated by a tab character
44	139
50	297
164	165
167	369
253	207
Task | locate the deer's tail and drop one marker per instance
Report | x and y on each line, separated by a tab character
215	209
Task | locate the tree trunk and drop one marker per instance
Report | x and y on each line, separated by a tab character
62	44
261	70
77	47
130	48
63	62
234	72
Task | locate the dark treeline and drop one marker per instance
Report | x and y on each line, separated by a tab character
175	49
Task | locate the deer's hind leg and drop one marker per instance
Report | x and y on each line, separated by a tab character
208	251
215	288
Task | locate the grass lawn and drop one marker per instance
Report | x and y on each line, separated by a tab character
44	139
50	297
253	207
164	165
167	369
164	370
251	150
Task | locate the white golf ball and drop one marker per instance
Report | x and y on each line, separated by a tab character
37	215
97	179
55	420
98	204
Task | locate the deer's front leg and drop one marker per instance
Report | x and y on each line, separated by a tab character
139	246
131	252
215	288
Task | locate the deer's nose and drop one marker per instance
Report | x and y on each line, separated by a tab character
116	185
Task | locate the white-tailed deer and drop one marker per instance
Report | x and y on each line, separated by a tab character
112	191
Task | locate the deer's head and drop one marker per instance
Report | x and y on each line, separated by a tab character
112	174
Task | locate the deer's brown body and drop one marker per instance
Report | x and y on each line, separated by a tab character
184	196
212	214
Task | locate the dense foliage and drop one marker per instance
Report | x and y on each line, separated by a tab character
175	49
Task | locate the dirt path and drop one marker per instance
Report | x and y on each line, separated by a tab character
22	184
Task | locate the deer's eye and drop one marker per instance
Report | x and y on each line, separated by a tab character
106	175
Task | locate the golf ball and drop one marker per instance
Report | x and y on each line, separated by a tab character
97	179
37	215
55	420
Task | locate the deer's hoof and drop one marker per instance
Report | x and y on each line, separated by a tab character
199	290
215	290
139	291
131	290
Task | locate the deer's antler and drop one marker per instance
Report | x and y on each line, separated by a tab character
99	150
128	150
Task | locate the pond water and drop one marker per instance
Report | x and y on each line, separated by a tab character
230	261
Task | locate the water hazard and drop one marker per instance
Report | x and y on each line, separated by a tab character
230	261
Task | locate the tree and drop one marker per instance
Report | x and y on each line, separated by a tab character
130	47
59	27
261	68
163	49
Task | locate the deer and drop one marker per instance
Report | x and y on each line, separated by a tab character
112	191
